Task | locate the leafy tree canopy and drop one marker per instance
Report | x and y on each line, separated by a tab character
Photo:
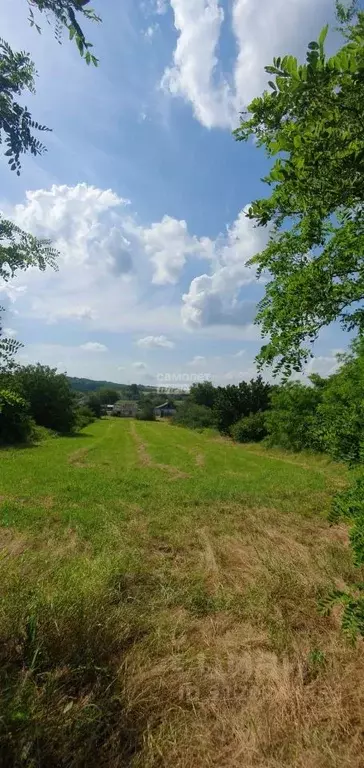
108	396
203	393
20	250
17	75
66	14
311	121
51	400
236	401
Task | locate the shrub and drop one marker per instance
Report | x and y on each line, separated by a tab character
84	416
349	505
291	422
340	416
51	400
16	426
94	405
42	433
250	429
146	412
194	416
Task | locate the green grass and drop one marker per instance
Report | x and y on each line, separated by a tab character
158	605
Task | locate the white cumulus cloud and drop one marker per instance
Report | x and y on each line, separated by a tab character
112	268
261	31
10	333
168	245
215	299
93	346
139	366
192	74
153	342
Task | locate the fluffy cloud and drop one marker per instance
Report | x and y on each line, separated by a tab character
107	259
109	262
197	75
216	299
9	333
168	245
139	366
69	213
192	75
93	346
153	342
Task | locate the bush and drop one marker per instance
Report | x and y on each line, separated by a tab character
291	423
84	417
42	433
16	425
250	429
51	400
194	416
349	505
94	405
340	416
146	413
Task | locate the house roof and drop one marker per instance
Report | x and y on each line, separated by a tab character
165	405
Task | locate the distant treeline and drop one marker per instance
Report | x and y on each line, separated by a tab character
325	415
127	391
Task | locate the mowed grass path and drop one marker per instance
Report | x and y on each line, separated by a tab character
159	605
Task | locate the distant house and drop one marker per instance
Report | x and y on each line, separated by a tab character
124	408
166	409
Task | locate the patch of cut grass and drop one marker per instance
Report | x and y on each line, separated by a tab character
159	610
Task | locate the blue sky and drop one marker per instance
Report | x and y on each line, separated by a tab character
143	188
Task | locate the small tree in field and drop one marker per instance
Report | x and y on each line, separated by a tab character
51	400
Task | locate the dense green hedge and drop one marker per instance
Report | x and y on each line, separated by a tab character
16	425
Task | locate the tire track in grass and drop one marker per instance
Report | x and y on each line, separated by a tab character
146	460
78	458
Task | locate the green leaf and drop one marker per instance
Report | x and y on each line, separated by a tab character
72	32
272	70
80	45
313	46
323	35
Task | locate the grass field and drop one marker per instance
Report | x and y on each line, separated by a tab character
159	605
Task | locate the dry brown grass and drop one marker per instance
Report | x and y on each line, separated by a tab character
223	698
246	675
264	683
12	543
147	624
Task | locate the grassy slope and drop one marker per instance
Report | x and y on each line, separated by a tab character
158	605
